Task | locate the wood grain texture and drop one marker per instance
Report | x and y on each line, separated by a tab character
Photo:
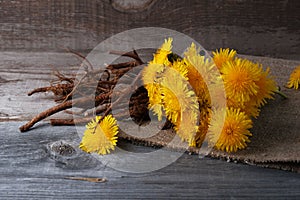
274	139
29	169
268	28
22	72
34	165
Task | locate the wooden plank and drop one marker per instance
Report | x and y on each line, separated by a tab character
29	170
268	28
22	72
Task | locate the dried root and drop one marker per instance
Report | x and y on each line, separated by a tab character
71	92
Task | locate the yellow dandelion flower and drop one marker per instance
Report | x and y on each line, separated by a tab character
240	77
267	87
197	82
155	99
100	137
222	56
294	80
201	72
178	101
234	134
205	67
186	128
151	76
217	95
181	67
202	131
176	95
152	73
171	105
191	51
161	55
204	121
250	108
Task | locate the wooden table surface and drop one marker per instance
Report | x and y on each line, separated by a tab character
30	168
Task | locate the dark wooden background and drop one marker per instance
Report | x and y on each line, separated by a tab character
265	28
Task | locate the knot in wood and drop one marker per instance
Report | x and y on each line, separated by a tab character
62	148
130	6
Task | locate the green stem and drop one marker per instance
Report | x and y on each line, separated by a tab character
281	94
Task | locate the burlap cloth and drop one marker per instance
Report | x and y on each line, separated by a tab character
276	138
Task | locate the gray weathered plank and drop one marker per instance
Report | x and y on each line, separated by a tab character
28	171
22	72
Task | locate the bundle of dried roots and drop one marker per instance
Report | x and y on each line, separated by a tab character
93	92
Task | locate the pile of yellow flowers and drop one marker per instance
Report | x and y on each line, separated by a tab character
184	89
246	85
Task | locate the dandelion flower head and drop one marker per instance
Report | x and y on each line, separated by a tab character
234	134
294	80
152	76
250	107
222	56
201	72
267	87
100	137
177	96
180	104
161	55
240	77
